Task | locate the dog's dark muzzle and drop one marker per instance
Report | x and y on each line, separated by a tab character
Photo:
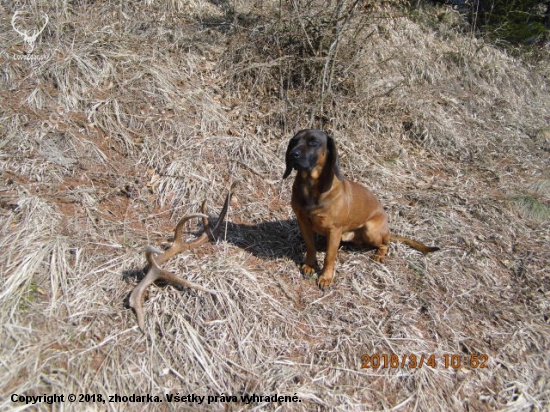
298	160
300	157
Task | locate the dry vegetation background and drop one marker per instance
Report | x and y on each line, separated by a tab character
130	113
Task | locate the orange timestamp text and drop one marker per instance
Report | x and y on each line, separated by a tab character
412	361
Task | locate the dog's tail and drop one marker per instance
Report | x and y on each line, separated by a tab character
414	244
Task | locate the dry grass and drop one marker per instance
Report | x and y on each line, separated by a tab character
129	115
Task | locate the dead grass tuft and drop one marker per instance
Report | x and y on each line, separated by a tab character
536	204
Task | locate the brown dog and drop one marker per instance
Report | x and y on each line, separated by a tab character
326	203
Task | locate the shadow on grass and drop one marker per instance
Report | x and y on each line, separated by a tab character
265	240
271	240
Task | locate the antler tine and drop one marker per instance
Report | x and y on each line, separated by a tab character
136	301
156	257
179	245
218	226
153	274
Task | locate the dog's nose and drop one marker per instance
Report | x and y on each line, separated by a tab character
295	154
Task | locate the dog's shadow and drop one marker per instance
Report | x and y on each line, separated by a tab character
265	240
277	239
268	240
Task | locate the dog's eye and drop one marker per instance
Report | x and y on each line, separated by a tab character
312	142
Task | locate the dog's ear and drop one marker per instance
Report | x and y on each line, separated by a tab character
287	172
288	169
332	166
333	159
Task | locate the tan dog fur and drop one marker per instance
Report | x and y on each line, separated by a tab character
326	203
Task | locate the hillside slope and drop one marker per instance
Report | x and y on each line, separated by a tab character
118	119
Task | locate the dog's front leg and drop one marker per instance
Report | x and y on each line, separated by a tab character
334	237
310	267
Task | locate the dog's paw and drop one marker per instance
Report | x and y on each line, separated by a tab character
379	259
380	255
308	270
325	280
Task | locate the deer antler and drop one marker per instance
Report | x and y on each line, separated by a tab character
156	257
